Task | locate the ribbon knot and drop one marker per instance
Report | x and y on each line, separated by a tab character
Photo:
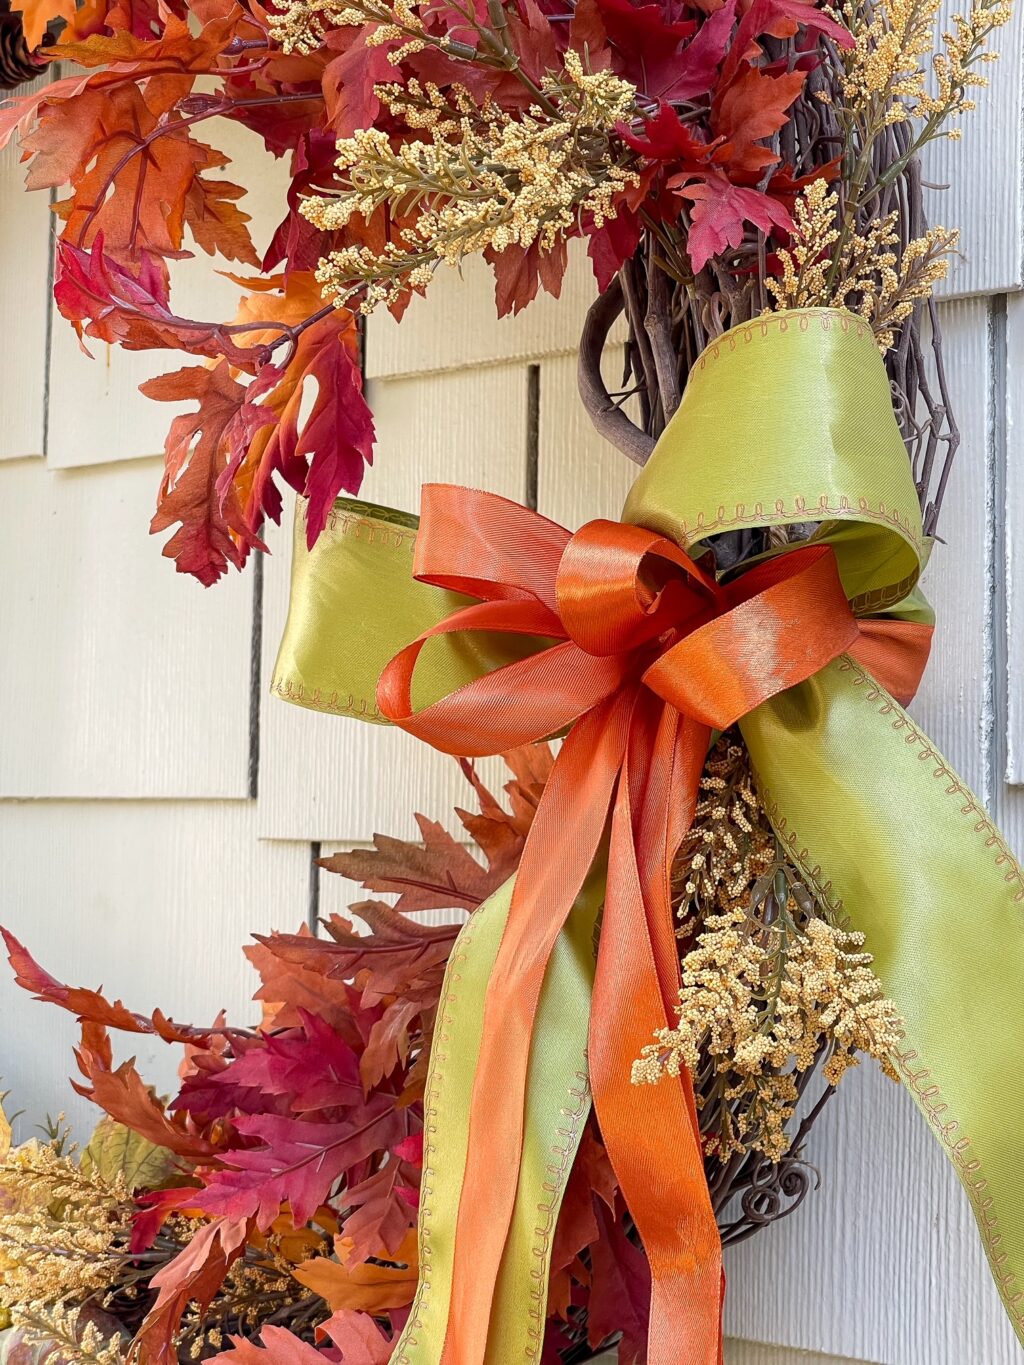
721	649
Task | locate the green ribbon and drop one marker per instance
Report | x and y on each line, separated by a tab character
558	1097
785	420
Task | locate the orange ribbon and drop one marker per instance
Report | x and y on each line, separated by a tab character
647	655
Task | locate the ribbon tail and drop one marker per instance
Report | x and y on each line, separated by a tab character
557	1105
895	843
567	833
651	1132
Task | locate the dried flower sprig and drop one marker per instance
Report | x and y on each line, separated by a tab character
762	999
302	25
770	983
77	1341
64	1235
730	844
486	180
864	271
893	74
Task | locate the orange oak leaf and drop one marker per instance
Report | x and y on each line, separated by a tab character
212	531
156	168
88	1005
36	14
290	985
500	834
750	108
398	957
122	1093
367	1286
177	48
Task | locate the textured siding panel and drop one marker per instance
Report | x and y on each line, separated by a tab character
1007	580
123	679
1011	570
153	902
24	306
331	778
581	475
983	173
454	326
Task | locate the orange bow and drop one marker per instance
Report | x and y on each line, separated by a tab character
641	653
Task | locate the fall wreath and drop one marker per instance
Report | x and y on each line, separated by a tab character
531	1136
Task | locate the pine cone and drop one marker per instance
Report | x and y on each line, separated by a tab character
17	63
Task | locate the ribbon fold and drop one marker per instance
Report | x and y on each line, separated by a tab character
515	630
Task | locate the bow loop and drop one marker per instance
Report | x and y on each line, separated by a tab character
486	546
784	620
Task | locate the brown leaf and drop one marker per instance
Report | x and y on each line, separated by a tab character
399	957
498	833
439	874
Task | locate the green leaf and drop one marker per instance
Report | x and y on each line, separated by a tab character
115	1150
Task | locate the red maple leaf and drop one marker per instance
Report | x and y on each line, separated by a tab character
722	212
350	79
664	138
646	41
